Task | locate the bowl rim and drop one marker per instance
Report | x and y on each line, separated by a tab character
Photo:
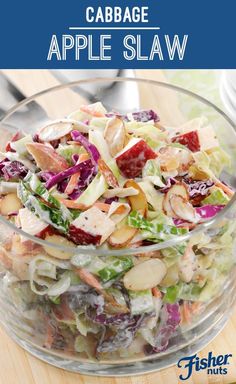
121	251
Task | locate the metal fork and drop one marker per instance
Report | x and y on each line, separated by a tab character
117	94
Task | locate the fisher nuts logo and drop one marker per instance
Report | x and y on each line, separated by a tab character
215	365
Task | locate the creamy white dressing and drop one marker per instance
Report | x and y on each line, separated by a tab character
14	156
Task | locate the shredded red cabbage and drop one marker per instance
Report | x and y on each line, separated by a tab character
55	143
179	222
75	194
90	148
209	211
140	116
46	175
169	321
198	187
75	158
124	335
111	200
145	115
68	172
121	319
205	212
12	170
89	299
124	325
61	187
170	181
36	138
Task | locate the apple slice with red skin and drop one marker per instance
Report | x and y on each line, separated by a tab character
121	237
190	140
79	236
48	231
47	158
133	157
91	227
31	224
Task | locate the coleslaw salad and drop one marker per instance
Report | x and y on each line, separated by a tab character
96	181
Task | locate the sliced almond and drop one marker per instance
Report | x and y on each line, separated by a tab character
139	201
122	236
114	135
9	203
118	211
145	275
58	240
46	157
183	209
176	189
56	130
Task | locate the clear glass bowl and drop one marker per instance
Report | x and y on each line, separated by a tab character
174	106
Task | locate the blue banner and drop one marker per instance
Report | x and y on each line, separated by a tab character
115	34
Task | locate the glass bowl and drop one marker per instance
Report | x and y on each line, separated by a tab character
26	316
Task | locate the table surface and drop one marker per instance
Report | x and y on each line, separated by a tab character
19	367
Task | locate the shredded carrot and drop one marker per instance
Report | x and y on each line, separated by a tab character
224	188
102	206
89	278
90	111
72	204
186	312
108	174
156	292
187	226
74	178
74	143
196	307
72	183
121	209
